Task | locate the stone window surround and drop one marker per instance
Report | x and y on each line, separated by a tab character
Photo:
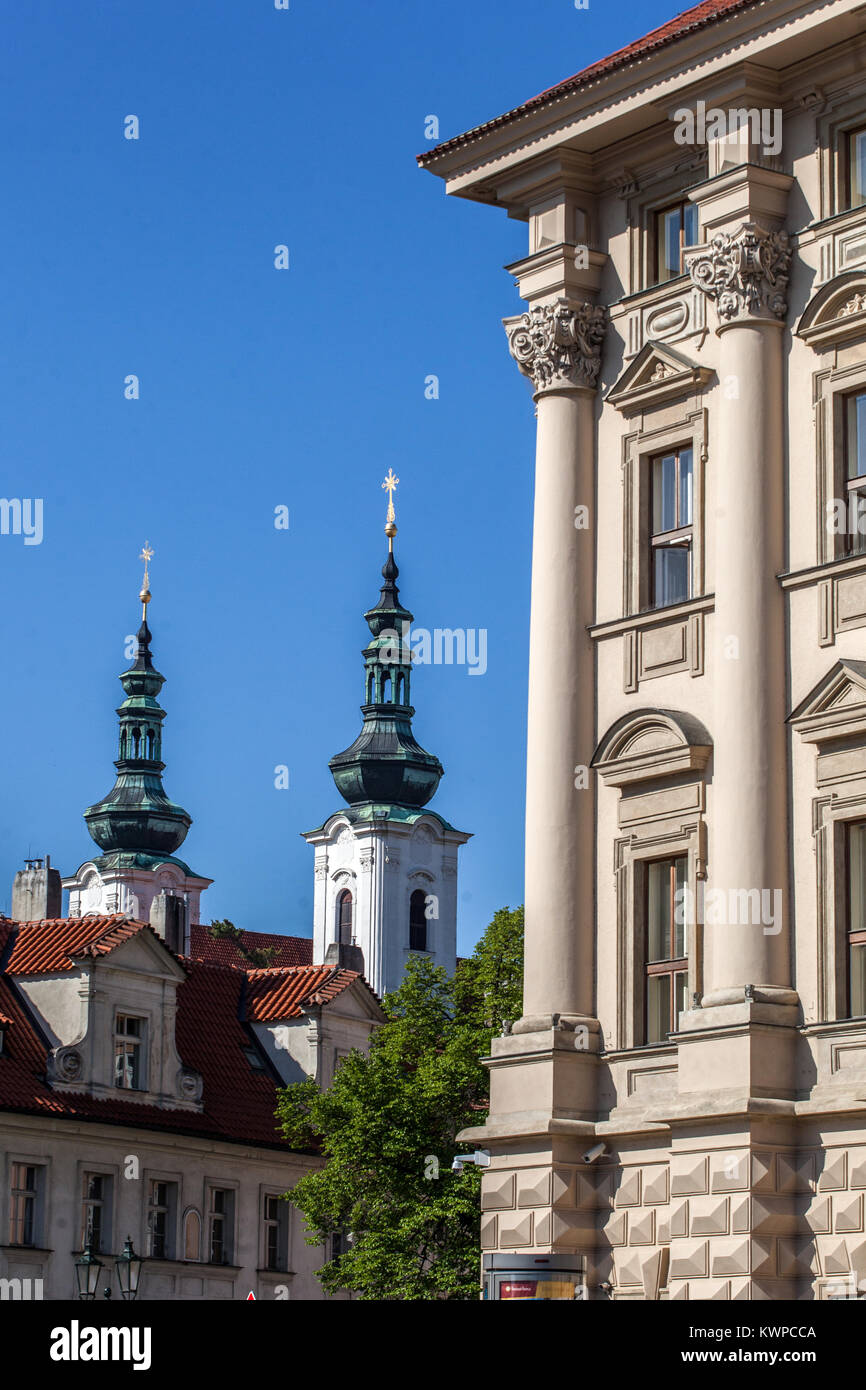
223	1184
176	1233
638	448
830	387
632	854
831	131
420	878
87	1167
831	816
641	213
268	1190
43	1221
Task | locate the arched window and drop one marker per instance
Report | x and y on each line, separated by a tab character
386	690
150	744
398	690
369	699
344	918
123	743
136	741
418	921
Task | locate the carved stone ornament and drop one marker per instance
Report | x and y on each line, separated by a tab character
558	343
745	272
855	305
66	1064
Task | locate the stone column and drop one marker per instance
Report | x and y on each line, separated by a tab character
745	272
558	346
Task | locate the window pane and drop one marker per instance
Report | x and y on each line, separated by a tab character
680	925
671	574
690	224
658	910
856	436
668	229
685	516
664	494
856	521
857	167
857	968
658	1008
857	877
680	982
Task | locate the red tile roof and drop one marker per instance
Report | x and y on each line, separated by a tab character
288	950
215	1003
43	947
273	994
707	12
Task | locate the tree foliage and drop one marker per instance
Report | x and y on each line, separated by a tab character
388	1125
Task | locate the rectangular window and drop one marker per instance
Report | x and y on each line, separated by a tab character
220	1221
23	1225
857	920
676	227
96	1214
129	1053
855	470
160	1219
666	951
671	528
857	168
276	1224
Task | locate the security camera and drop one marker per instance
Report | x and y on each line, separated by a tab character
481	1159
597	1151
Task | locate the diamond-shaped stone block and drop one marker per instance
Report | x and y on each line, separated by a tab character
848	1210
709	1216
656	1185
834	1172
642	1230
689	1259
628	1190
497	1191
533	1189
689	1174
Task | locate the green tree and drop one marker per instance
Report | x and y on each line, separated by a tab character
253	957
388	1124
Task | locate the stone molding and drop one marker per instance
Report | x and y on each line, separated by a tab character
744	272
558	344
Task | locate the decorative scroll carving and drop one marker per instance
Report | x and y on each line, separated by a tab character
558	343
745	272
854	305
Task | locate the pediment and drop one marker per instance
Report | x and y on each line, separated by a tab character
649	744
835	707
142	954
837	312
658	374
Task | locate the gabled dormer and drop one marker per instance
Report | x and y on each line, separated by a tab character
104	993
658	374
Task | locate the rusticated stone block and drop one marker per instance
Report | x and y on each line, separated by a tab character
689	1174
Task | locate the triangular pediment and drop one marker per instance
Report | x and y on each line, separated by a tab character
143	954
836	706
658	374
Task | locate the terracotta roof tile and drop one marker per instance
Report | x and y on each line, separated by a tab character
273	994
288	950
707	12
43	947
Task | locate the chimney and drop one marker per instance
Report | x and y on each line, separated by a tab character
346	957
37	892
168	917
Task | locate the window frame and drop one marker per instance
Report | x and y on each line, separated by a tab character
852	937
139	1043
34	1196
104	1204
849	135
680	537
227	1217
681	205
169	1210
639	450
669	966
277	1226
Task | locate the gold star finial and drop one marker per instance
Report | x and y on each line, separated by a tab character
390	522
146	555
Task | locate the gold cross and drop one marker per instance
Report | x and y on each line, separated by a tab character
146	555
389	484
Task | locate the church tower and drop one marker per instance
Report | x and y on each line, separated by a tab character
386	868
136	826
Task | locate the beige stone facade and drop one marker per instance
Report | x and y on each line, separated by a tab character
695	333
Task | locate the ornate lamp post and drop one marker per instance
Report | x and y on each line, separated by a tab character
87	1268
128	1266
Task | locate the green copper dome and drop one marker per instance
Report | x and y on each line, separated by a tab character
137	815
386	763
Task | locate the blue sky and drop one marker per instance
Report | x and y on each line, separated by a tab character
261	388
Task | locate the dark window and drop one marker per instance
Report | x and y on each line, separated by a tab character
344	918
676	227
857	920
857	168
95	1225
276	1222
160	1219
666	960
22	1205
855	470
418	921
219	1226
671	528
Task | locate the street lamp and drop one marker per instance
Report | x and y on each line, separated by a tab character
128	1266
87	1268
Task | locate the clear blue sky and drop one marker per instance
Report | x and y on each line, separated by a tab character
258	388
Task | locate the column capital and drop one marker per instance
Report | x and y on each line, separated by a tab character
558	344
745	272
